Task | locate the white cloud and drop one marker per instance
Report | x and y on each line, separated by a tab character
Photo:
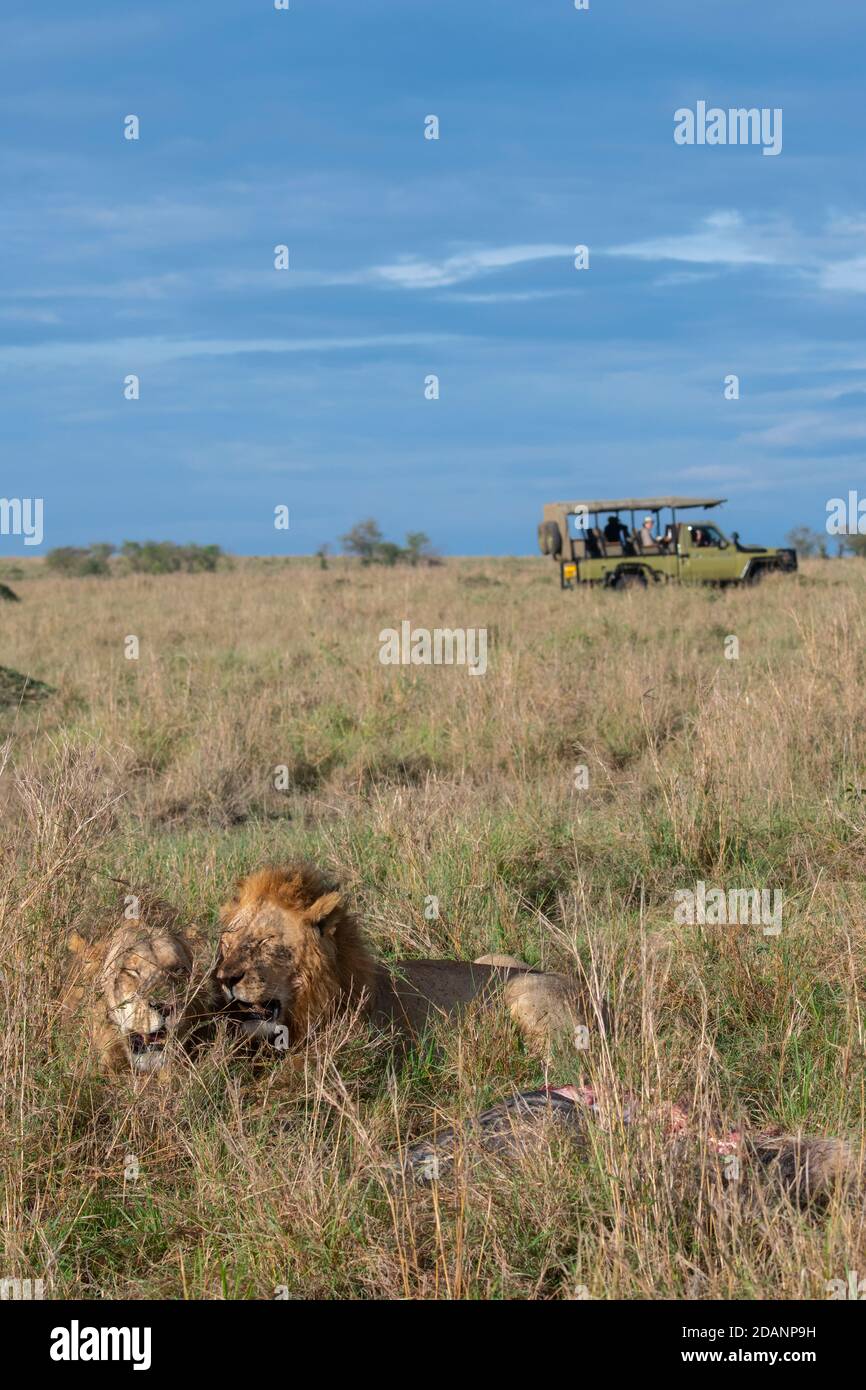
506	297
414	274
134	353
845	275
714	472
408	273
21	39
724	239
810	430
721	239
22	315
143	287
676	278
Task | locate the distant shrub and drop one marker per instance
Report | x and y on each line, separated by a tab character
807	542
366	541
164	557
136	557
74	562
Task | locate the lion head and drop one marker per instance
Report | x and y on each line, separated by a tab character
290	951
139	990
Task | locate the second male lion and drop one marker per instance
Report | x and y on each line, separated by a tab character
291	953
136	990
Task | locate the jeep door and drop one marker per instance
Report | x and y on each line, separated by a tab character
703	554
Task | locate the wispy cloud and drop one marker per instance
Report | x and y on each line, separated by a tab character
406	273
808	430
141	287
723	238
726	241
134	353
714	472
24	315
26	38
844	275
414	274
507	297
677	278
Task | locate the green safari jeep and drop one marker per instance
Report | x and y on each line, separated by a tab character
652	548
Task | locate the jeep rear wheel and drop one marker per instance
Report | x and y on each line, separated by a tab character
630	579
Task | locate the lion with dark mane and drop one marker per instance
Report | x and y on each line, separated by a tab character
292	953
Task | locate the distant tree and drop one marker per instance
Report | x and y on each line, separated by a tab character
418	547
322	555
366	541
387	553
363	540
807	542
857	545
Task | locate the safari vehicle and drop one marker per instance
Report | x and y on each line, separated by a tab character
594	545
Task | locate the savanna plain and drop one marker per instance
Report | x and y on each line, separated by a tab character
450	808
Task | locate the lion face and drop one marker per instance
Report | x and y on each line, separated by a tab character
268	956
288	951
146	990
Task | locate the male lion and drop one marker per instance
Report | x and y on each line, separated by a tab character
137	990
291	953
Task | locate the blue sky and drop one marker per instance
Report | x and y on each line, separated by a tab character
410	257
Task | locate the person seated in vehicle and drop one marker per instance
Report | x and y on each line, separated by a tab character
666	541
699	536
593	546
646	539
615	530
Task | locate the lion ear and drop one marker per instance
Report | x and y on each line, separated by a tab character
321	909
194	937
227	911
76	943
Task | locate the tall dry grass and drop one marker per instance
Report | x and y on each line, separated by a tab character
416	783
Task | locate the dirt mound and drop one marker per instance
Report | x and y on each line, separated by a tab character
15	688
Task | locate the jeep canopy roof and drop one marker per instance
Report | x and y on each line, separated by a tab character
635	504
